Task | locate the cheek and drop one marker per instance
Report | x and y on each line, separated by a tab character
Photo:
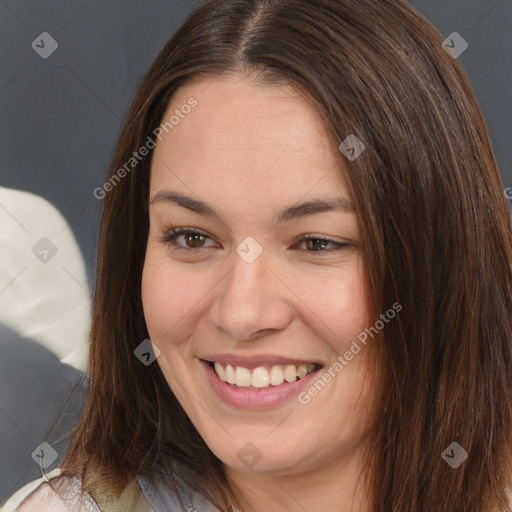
165	305
153	297
161	295
336	302
173	297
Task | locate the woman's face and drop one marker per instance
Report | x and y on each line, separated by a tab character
246	289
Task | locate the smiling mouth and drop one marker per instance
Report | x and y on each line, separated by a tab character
263	376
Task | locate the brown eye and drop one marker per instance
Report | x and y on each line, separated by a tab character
192	239
318	244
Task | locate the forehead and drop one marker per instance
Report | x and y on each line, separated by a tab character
245	138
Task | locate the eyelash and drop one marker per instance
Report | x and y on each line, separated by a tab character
170	238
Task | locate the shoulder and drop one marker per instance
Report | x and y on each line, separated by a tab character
56	493
51	494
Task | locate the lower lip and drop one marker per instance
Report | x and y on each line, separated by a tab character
264	398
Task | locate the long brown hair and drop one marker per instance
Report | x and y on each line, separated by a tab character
436	229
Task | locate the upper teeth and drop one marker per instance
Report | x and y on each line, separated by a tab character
260	377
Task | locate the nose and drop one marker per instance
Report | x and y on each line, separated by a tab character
252	300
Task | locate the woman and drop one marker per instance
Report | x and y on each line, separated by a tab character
320	251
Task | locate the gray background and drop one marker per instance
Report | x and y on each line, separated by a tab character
60	118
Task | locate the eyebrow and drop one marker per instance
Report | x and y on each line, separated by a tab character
338	204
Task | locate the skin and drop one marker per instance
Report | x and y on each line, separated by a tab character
249	150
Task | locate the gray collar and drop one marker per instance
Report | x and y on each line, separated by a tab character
163	499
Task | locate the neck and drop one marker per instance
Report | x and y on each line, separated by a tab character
336	486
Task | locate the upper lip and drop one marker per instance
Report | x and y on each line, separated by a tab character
256	361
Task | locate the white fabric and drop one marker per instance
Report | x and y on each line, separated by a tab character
47	500
47	302
15	500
